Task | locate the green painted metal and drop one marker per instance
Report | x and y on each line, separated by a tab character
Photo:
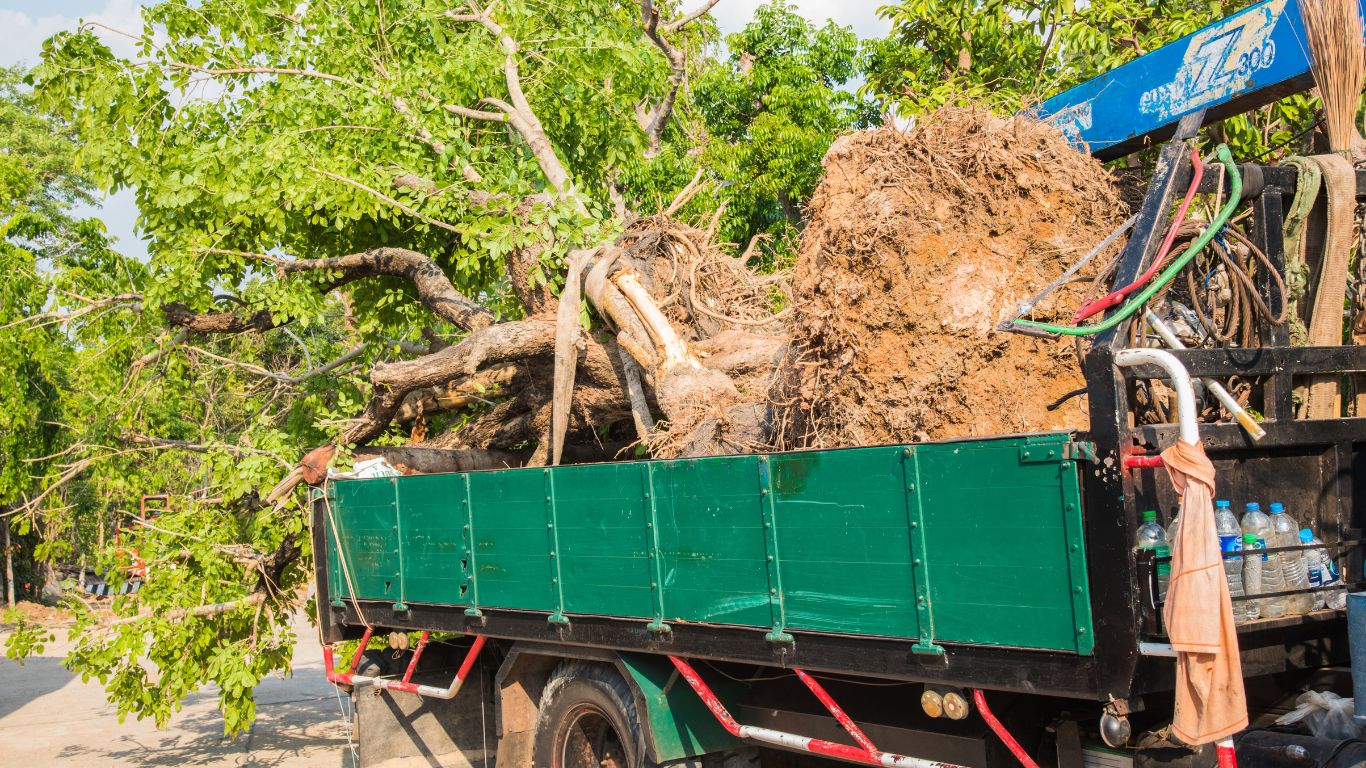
974	541
681	726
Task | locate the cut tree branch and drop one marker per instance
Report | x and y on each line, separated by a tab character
687	18
272	71
180	315
455	394
202	611
286	378
494	344
91	305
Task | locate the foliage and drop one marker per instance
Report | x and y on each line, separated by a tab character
766	111
252	131
771	109
89	375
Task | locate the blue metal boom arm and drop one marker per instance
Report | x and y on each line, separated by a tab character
1234	65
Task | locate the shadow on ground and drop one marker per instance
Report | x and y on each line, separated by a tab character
277	739
36	677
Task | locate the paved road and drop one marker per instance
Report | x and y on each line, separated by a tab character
48	717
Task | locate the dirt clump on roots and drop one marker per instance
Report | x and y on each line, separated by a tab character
918	243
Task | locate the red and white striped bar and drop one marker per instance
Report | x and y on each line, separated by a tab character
836	711
405	685
1225	754
793	741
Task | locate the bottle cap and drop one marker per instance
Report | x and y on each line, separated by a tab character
1253	506
1221	504
1277	508
1306	536
1249	538
1149	515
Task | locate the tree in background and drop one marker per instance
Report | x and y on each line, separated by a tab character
1011	54
770	110
38	187
759	117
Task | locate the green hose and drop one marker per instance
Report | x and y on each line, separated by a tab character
1132	305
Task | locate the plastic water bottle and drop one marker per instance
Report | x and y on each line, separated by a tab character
1231	545
1292	563
1322	571
1252	576
1173	525
1151	536
1256	522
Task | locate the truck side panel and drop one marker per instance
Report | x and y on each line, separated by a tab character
970	542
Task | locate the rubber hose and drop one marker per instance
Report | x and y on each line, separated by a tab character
1131	306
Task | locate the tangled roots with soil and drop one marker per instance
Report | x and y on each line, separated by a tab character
918	244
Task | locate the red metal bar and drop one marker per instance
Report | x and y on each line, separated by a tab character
718	709
1138	461
417	655
1224	753
360	649
351	678
836	711
790	740
1001	732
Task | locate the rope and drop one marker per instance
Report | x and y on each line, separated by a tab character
341	554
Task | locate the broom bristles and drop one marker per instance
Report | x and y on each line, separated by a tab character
1334	32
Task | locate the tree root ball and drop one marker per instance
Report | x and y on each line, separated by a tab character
918	244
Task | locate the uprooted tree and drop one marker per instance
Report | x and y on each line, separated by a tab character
486	228
381	227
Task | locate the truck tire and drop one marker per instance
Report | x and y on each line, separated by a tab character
587	719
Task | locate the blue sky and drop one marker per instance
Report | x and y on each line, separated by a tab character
26	23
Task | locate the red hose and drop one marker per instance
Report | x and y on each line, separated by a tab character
1105	302
1001	732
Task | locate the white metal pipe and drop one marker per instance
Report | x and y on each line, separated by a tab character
1157	649
1240	414
1180	383
807	744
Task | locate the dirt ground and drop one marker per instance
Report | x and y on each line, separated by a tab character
48	717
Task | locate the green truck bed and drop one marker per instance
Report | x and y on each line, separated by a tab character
964	542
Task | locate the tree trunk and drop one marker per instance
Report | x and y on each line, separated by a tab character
9	565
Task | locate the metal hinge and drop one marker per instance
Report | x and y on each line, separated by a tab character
1043	453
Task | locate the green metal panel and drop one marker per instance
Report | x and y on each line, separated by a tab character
365	520
711	541
841	525
976	541
997	541
601	514
511	539
430	538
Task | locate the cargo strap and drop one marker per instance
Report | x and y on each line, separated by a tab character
1310	180
1325	320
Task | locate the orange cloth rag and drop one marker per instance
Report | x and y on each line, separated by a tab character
1210	703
